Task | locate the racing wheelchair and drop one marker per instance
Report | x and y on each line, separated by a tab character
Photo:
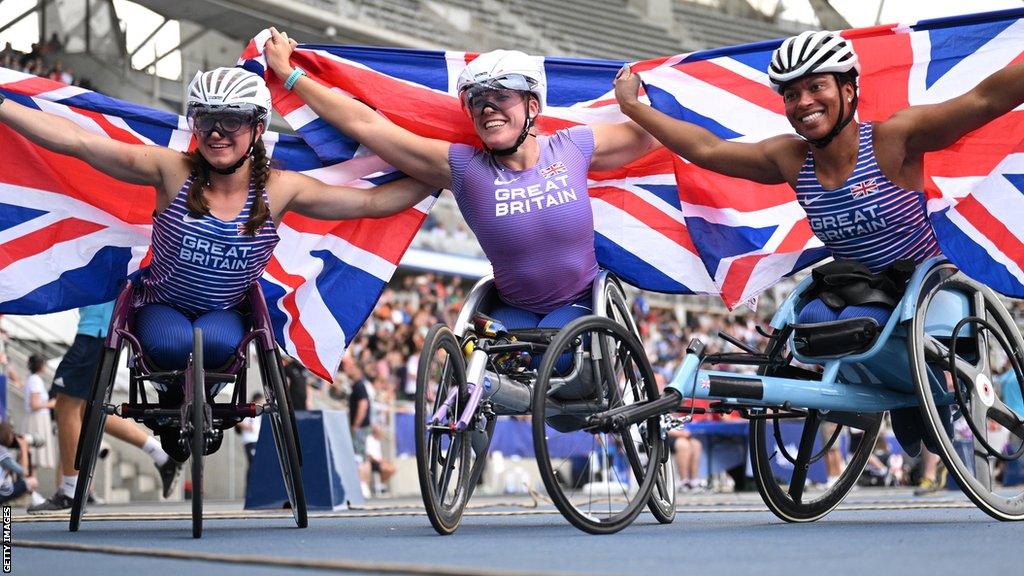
194	419
935	355
469	376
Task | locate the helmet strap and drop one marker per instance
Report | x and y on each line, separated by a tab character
234	167
841	122
522	136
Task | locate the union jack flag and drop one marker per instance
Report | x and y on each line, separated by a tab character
750	235
69	235
862	189
554	170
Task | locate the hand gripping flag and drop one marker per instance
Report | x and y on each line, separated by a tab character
69	235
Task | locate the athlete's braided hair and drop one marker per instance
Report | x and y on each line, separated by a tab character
260	212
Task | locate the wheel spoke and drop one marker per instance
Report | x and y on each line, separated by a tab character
450	461
936	351
803	457
1007	418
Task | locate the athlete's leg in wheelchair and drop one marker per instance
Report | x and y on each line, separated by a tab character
166	338
515	318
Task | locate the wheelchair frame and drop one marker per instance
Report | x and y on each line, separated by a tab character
896	371
199	420
473	408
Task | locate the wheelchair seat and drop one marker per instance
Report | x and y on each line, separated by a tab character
577	383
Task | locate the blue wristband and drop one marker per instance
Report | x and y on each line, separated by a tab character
293	78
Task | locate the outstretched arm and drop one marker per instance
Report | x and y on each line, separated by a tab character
752	161
314	199
423	158
619	144
131	163
936	126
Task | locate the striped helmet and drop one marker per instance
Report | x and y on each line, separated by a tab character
230	88
811	53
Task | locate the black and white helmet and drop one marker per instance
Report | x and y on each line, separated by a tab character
230	88
811	52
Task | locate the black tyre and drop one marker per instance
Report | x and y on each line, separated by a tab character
663	498
91	434
786	489
445	457
197	424
599	480
282	423
982	430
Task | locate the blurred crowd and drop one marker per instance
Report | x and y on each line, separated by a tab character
41	61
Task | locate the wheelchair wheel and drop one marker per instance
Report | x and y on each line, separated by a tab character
663	498
92	433
781	475
599	480
445	458
282	424
977	428
197	418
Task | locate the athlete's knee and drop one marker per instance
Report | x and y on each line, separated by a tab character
165	335
222	331
878	312
816	311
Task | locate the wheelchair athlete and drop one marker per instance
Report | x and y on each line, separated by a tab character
214	226
541	247
832	156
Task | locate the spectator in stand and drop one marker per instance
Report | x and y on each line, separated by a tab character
359	408
249	429
687	452
59	74
374	462
53	45
30	56
37	410
16	476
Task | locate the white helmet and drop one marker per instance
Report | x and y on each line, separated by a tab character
509	69
811	53
230	88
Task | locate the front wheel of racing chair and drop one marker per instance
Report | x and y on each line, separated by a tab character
196	418
91	435
615	306
960	331
598	478
783	482
445	458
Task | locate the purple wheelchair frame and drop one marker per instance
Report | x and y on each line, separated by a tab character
140	410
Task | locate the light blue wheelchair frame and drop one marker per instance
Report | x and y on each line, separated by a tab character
875	380
908	365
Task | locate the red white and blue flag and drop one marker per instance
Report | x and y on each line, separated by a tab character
750	235
68	234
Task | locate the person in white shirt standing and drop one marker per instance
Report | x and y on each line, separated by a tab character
37	410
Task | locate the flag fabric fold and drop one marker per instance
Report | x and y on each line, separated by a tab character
70	235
